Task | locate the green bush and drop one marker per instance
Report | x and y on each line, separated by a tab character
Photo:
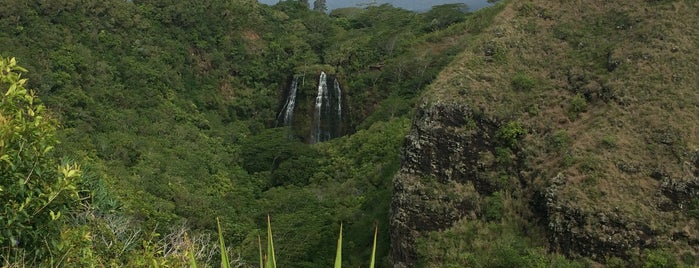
494	208
523	82
559	141
510	133
577	105
658	258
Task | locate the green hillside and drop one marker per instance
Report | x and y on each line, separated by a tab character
579	120
170	110
527	134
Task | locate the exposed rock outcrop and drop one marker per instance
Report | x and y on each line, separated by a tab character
448	168
445	158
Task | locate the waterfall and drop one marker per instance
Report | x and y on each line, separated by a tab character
326	117
288	109
339	101
318	134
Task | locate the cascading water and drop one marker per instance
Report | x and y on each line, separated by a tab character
318	133
288	110
339	101
327	114
326	117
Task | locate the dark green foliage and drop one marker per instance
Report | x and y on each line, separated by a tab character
614	262
688	258
503	156
530	9
559	141
693	208
270	148
493	207
523	82
577	105
170	104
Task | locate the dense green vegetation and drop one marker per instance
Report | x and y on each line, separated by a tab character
170	108
159	116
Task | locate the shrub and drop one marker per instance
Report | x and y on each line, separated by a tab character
658	258
503	156
523	82
35	189
577	105
510	133
559	141
494	207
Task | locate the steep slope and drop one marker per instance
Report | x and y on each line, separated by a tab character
570	125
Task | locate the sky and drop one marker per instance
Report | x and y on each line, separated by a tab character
415	5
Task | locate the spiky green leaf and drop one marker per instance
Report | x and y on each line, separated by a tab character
222	246
271	261
338	255
373	249
259	246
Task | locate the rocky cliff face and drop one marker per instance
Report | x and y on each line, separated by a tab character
449	167
599	233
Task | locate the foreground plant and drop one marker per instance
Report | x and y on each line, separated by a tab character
268	260
271	262
35	189
338	254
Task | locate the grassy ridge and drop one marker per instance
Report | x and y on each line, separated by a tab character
607	95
